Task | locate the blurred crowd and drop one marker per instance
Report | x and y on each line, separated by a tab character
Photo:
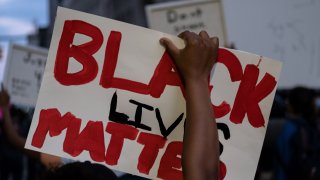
291	148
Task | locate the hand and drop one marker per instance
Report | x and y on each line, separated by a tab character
195	61
200	140
4	97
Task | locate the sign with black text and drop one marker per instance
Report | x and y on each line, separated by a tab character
23	73
176	17
110	95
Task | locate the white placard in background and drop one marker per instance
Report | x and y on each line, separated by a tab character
287	30
23	73
176	17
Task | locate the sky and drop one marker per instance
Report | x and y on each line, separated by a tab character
20	17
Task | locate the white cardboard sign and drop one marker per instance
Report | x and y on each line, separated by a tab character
23	73
176	17
123	107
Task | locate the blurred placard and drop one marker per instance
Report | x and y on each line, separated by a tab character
23	73
287	30
176	17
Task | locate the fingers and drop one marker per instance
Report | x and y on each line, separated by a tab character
196	40
170	47
190	38
215	41
185	35
204	35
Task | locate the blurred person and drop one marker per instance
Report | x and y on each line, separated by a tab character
81	171
17	141
316	166
295	146
11	164
8	127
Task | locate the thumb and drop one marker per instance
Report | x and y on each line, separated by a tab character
170	47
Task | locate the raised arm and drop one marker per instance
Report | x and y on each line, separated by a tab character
13	137
200	158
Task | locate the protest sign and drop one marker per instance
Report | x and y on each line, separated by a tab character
176	17
23	74
110	95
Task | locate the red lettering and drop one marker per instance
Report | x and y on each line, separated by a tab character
46	117
232	63
223	170
249	95
118	132
50	121
170	162
234	67
82	53
152	143
72	134
221	110
91	139
111	57
165	74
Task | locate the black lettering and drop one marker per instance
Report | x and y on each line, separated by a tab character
172	16
183	16
28	58
199	12
226	134
123	118
38	76
137	118
113	114
166	132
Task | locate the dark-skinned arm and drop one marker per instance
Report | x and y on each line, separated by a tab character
200	158
13	137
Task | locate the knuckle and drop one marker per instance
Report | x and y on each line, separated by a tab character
203	44
203	33
185	34
207	43
193	42
186	31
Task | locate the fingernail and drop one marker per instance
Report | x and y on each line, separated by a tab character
162	42
215	40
